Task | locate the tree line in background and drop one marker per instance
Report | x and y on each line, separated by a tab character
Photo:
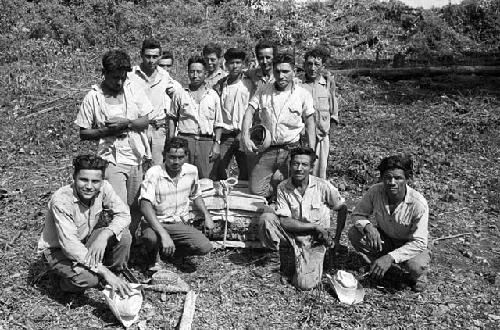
40	31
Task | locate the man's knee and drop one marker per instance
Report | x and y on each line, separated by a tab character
260	187
79	282
203	247
268	219
419	265
149	238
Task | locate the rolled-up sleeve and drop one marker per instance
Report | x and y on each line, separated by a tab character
148	186
67	233
282	205
145	105
85	116
120	211
333	198
195	188
175	105
308	104
363	211
418	241
255	100
218	111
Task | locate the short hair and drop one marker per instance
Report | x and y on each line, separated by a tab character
263	44
402	162
150	43
116	59
303	151
175	143
197	59
284	58
321	52
167	55
212	48
89	162
235	53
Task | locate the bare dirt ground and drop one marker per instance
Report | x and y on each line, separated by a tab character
450	125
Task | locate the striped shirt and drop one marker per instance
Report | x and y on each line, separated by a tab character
170	199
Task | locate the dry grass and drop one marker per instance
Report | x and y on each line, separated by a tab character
451	128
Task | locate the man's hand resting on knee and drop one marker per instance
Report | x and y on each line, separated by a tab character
167	244
380	266
96	246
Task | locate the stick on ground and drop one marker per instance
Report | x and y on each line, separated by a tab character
450	236
188	313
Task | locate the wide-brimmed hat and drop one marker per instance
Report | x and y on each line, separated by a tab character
261	137
126	309
347	287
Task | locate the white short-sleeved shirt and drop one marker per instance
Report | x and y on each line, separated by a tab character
95	112
314	206
234	103
193	117
155	89
170	199
283	112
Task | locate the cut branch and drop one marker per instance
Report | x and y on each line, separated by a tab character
450	237
412	72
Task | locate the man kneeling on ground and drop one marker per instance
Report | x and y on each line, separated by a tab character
165	195
401	215
76	241
302	216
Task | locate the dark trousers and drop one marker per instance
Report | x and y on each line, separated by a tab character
187	240
230	146
417	266
76	277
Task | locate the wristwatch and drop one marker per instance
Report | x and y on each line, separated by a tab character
216	141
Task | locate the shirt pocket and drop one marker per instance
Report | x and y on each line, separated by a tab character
293	116
315	212
209	111
322	103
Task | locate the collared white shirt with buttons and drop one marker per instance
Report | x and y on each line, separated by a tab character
314	206
283	112
409	221
193	117
170	198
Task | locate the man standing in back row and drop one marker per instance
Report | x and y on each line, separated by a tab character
194	113
322	89
285	108
212	53
116	113
155	81
265	52
235	91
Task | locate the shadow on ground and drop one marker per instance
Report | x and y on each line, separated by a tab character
46	282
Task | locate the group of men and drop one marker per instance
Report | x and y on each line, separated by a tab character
141	115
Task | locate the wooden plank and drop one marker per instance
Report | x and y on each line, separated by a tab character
238	244
188	312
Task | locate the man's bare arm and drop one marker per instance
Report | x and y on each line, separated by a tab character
341	218
245	129
311	131
299	227
115	127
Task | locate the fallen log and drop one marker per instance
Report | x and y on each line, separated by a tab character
412	72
